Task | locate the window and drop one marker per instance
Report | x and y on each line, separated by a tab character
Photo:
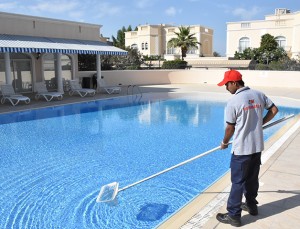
146	46
245	25
143	47
280	23
244	43
171	50
134	46
192	50
281	41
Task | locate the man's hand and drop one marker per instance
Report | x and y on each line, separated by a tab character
223	145
229	131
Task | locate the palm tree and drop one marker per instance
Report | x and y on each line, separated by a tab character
184	40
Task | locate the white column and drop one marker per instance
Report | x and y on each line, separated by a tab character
8	78
59	73
74	64
98	64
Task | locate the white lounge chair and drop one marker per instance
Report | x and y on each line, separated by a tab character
75	87
109	89
8	93
42	91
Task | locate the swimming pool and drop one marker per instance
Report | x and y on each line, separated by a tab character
55	160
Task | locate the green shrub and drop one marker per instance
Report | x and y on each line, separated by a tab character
262	67
174	64
132	67
277	66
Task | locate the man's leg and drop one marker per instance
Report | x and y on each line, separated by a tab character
239	167
252	184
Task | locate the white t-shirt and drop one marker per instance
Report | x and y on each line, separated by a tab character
245	111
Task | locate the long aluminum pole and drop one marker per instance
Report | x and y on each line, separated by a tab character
198	156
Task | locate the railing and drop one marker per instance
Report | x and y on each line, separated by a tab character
132	89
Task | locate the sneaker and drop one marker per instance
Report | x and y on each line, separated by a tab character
252	209
225	218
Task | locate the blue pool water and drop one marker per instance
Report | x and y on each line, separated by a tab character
55	160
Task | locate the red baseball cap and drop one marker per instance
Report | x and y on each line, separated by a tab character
231	75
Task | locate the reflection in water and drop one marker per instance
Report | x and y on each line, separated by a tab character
180	111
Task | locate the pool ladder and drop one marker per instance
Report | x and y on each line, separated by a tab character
132	89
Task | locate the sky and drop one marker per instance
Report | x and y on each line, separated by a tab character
114	14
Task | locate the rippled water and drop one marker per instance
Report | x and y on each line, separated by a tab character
52	168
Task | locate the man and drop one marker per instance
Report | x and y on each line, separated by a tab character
244	117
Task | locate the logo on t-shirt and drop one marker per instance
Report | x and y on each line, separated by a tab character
252	105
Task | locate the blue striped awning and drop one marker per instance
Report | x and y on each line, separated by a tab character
31	44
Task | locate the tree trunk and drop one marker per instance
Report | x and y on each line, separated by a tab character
183	52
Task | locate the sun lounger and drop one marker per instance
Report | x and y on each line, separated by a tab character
109	89
8	93
75	87
42	91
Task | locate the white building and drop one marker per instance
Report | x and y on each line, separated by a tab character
284	25
35	49
152	40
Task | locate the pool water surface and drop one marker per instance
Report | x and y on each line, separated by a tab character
55	160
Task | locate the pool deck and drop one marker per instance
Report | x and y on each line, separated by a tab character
279	192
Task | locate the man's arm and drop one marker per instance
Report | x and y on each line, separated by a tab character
270	114
229	131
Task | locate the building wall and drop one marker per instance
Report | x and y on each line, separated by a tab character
287	25
43	27
150	34
199	76
296	34
131	38
206	44
15	24
158	36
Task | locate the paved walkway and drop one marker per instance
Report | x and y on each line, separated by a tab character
36	104
279	193
288	97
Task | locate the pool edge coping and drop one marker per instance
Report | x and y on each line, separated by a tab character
201	208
